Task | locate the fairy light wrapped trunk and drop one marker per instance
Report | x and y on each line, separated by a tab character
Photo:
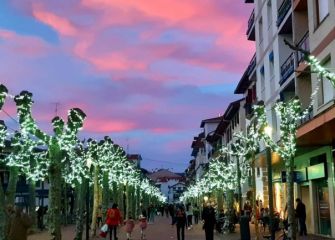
63	139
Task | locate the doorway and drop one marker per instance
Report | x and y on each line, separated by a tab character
323	208
306	200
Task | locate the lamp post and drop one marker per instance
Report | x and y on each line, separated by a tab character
88	164
268	131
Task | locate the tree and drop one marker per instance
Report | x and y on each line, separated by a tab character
63	139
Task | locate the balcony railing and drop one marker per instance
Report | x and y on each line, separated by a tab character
252	65
307	117
303	44
283	10
251	21
287	68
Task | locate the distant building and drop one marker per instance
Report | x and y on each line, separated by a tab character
175	191
165	179
135	159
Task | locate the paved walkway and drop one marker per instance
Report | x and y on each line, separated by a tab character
162	230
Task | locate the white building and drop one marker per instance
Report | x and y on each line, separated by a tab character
165	179
281	74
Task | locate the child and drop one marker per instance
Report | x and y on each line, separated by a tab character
130	224
143	225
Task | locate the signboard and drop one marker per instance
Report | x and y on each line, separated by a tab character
298	176
316	171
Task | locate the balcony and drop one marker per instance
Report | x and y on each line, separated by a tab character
249	111
308	116
287	68
283	10
251	26
252	65
303	44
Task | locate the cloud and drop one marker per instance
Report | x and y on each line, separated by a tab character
146	70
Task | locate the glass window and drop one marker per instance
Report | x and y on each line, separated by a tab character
322	7
326	88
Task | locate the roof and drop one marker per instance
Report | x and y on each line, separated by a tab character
164	174
210	120
232	108
179	183
134	157
218	132
243	84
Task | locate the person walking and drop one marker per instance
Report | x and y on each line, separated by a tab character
129	226
143	225
196	213
189	214
166	209
300	213
208	216
172	212
99	216
19	224
180	221
113	220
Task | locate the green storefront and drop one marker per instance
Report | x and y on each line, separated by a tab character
315	187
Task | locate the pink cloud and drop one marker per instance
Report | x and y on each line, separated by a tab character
24	45
110	126
62	25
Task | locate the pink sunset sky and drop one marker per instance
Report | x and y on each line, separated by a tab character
146	72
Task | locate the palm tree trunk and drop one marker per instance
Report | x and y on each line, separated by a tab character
95	201
290	199
254	195
55	194
3	217
12	183
32	203
80	201
105	193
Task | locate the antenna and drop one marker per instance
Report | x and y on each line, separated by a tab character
57	104
128	146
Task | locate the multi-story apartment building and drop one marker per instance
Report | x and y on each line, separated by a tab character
282	74
199	154
202	150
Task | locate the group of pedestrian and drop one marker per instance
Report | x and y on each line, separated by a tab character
114	220
183	218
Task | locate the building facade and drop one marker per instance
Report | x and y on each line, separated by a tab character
282	74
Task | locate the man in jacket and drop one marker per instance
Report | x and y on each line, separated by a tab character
300	212
180	221
208	216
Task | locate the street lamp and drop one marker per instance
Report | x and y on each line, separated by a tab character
88	164
205	199
268	131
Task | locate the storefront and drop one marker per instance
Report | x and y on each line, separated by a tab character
317	189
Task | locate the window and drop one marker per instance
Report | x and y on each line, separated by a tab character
322	10
326	89
260	33
269	12
262	82
258	172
